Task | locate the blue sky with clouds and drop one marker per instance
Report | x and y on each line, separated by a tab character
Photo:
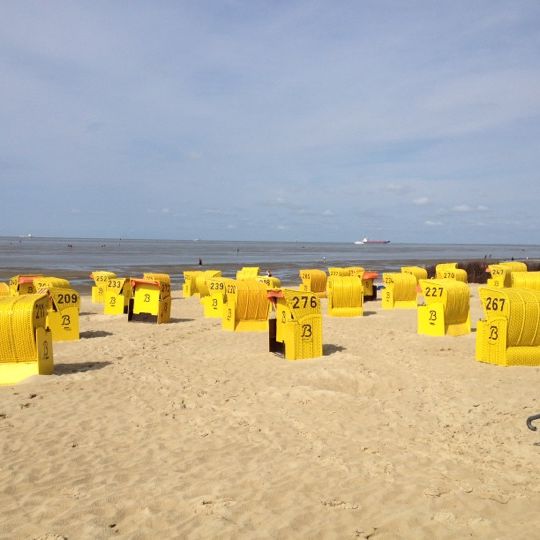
415	121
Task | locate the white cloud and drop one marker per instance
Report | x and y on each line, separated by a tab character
462	208
328	213
468	208
430	223
397	188
421	201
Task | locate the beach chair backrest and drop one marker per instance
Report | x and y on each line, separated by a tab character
63	313
338	271
446	309
247	272
117	296
271	282
214	302
525	280
313	280
202	281
400	290
450	271
189	287
417	271
296	330
100	277
49	282
345	296
247	306
509	334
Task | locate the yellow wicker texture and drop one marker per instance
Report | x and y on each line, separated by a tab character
313	280
417	271
525	280
345	296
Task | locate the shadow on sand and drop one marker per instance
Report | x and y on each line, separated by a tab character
65	369
329	349
94	333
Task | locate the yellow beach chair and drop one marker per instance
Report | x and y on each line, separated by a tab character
345	296
314	281
25	342
446	309
150	301
509	335
247	306
296	330
100	277
399	291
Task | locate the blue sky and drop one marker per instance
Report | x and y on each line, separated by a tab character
412	121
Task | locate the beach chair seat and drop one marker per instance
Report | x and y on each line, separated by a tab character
501	273
314	281
446	309
100	277
400	291
525	280
189	287
345	296
450	271
247	306
117	296
25	342
296	331
247	272
150	301
63	313
22	284
4	289
509	334
417	271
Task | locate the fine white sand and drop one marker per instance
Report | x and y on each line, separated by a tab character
183	430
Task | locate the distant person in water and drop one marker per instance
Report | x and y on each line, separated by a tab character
200	262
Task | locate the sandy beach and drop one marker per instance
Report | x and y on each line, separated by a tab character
182	430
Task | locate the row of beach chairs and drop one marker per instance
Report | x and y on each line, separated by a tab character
35	311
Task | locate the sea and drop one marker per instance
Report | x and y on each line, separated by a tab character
75	258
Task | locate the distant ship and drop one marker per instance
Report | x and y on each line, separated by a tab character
367	241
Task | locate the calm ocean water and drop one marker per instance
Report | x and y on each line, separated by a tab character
76	257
